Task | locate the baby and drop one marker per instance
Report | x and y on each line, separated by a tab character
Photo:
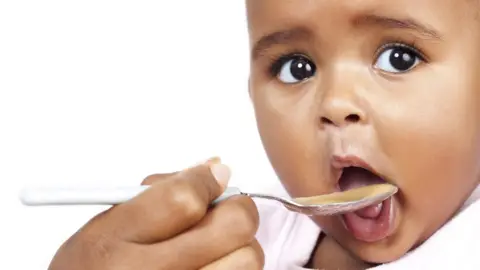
346	94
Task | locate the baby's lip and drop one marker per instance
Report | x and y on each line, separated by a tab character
340	162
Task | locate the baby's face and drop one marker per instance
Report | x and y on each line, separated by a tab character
392	87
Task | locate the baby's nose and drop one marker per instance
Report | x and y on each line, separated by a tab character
341	106
340	112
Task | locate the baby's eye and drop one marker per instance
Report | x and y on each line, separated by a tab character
398	59
294	69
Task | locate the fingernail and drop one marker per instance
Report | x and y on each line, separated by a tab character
213	160
209	161
221	173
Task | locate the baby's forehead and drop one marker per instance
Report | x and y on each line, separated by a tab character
317	21
447	14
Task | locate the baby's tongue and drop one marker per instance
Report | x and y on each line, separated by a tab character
354	177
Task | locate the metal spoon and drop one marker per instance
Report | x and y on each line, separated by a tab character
329	204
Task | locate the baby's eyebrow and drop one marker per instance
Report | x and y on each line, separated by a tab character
387	22
280	37
302	33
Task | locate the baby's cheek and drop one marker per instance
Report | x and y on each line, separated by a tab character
290	134
436	171
433	151
296	154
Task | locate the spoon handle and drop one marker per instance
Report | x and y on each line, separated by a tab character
93	196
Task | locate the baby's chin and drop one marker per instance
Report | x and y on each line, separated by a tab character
378	252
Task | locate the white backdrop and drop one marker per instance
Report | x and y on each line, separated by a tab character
109	92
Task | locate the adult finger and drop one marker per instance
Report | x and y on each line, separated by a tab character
250	257
171	206
155	178
229	226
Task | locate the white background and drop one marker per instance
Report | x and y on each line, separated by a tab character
109	92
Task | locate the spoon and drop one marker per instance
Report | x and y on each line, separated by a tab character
323	205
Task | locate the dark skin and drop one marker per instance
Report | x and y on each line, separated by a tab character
323	83
184	234
416	121
339	257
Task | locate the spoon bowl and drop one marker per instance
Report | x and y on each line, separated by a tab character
335	203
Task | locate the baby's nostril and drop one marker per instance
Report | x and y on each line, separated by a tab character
326	121
352	118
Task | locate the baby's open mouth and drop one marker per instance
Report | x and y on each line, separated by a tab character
372	223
